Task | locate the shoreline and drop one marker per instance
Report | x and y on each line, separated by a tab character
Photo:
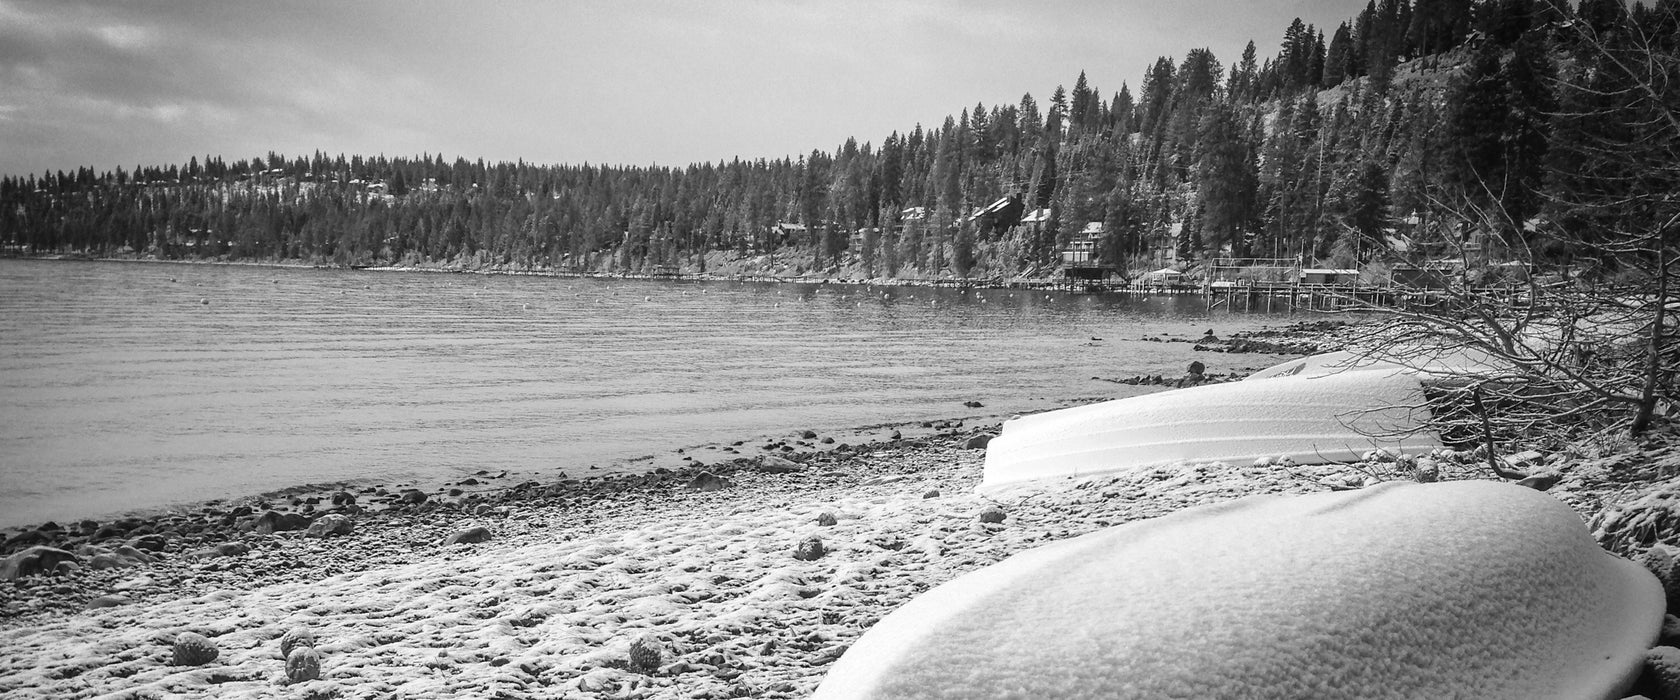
750	582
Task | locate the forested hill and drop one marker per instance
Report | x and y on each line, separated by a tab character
1347	142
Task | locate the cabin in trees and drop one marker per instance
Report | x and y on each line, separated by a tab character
1082	259
1001	215
1036	220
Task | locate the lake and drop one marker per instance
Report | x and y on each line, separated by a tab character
138	386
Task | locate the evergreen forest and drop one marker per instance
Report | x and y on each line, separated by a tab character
1418	128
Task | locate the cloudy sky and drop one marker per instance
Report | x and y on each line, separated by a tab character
108	83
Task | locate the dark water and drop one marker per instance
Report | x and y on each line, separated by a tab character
134	386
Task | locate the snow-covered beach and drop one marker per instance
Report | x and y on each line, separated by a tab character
750	585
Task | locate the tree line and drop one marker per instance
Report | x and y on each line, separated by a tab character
1329	150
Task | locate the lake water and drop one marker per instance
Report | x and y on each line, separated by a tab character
135	386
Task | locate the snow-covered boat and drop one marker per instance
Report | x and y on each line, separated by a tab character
1313	419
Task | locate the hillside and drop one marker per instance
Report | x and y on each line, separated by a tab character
1418	128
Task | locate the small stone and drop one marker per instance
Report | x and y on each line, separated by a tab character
412	496
303	664
646	653
192	649
295	638
809	549
978	442
808	435
343	498
329	525
826	519
992	514
707	481
471	535
931	493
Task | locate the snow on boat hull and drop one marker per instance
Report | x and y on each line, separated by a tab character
1433	365
1314	420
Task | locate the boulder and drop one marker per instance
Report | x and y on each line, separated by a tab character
329	525
412	496
707	481
978	442
150	543
1661	678
646	653
303	664
771	464
295	638
810	549
992	514
192	649
274	521
36	560
225	549
826	519
471	535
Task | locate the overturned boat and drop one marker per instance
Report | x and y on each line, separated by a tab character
1310	417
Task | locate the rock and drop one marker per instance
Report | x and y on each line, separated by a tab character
809	549
1662	673
771	464
28	538
974	404
808	435
412	496
1541	482
1427	471
134	556
992	514
1665	564
1197	369
108	601
345	498
1670	635
329	525
646	653
107	560
303	664
826	519
192	649
931	493
295	638
471	535
978	442
707	481
274	521
150	543
36	560
225	549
